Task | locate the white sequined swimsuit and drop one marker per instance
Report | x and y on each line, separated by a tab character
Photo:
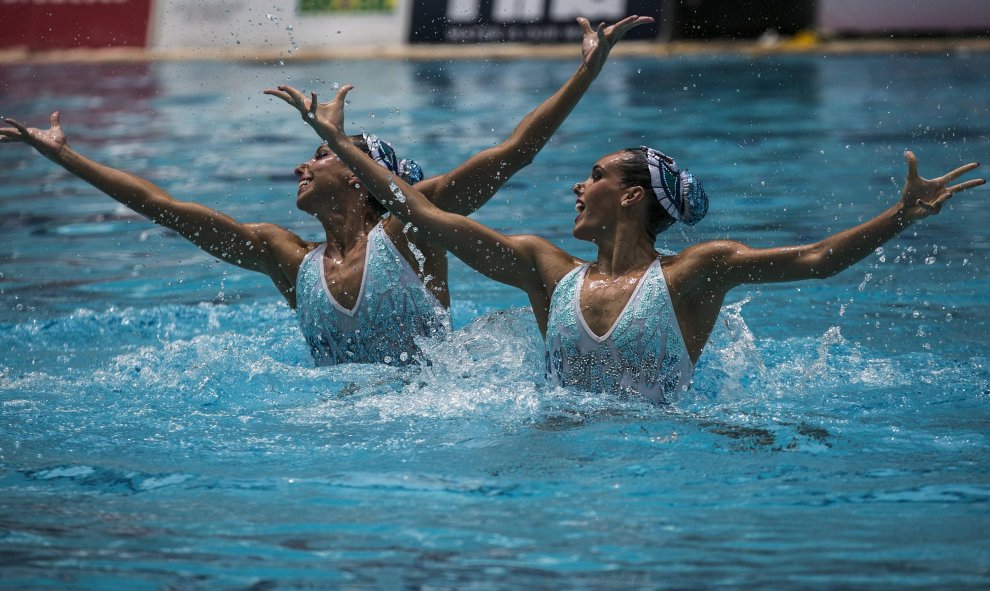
643	352
393	308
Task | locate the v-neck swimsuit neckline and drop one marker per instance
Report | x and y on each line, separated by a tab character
643	352
364	275
625	308
393	309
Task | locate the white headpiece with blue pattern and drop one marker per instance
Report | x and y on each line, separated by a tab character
679	192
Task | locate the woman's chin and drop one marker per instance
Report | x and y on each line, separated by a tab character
581	232
304	204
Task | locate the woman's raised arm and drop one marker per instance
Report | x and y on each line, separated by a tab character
731	263
251	246
507	259
470	185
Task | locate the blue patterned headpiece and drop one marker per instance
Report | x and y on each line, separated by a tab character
679	192
383	153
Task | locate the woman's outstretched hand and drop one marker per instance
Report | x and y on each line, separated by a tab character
48	142
597	43
326	118
923	197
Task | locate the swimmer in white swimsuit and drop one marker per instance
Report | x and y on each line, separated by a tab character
349	314
392	309
641	352
631	320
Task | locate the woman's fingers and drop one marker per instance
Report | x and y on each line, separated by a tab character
622	27
585	25
912	164
963	186
936	204
297	98
951	176
307	107
627	24
342	93
279	94
17	125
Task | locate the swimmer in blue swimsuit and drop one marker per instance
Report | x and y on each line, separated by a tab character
632	320
368	291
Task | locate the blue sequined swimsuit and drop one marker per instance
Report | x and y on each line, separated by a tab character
393	308
643	352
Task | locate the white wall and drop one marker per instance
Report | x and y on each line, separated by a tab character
893	16
273	26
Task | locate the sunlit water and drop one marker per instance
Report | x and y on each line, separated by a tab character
163	426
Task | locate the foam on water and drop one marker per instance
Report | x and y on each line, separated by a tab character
172	360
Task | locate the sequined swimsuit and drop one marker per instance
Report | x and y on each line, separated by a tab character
392	309
643	352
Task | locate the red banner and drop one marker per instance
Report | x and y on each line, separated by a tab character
67	24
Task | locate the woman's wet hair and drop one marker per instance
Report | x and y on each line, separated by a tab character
634	172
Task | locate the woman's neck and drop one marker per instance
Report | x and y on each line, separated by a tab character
625	252
346	230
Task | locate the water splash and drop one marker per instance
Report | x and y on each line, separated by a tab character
397	192
733	350
417	253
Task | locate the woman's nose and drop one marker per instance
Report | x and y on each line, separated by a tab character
578	188
300	169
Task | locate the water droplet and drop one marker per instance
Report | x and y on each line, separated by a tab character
399	196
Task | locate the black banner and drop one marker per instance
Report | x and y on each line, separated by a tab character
740	19
522	21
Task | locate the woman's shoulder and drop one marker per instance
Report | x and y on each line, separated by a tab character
713	250
284	242
540	247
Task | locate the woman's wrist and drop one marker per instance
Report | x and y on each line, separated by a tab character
59	155
326	132
902	215
586	69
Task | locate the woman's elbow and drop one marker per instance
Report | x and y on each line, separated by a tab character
515	155
821	263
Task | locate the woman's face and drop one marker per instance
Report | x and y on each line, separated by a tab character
321	178
598	198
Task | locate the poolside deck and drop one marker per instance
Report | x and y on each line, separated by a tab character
807	44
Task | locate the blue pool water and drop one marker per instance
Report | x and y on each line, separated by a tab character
162	426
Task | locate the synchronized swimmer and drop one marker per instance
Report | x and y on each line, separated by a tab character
369	289
632	319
